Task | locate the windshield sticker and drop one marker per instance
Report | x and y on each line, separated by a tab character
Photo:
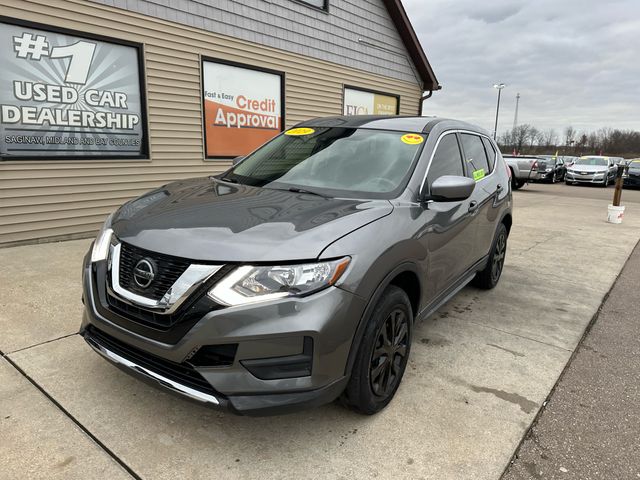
297	132
412	139
478	174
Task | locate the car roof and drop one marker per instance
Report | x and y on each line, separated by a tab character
387	122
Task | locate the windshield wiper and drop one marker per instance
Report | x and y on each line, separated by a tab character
229	179
304	190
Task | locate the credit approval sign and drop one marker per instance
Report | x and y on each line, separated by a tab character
67	95
242	108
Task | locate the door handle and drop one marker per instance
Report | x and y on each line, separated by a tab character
473	206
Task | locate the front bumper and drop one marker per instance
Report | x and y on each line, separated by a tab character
271	342
574	177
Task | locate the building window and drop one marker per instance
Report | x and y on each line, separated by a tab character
69	95
243	107
322	4
360	101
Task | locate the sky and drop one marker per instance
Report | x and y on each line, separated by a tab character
574	62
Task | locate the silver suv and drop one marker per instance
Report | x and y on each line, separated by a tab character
297	276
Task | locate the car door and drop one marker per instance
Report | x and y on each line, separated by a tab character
482	201
448	231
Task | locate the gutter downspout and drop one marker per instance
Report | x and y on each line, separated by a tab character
423	98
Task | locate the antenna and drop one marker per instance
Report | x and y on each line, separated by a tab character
515	117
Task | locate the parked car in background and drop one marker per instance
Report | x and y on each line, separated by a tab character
297	275
569	160
632	176
524	168
551	168
592	169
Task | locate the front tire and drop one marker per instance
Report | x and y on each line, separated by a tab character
490	276
382	355
605	183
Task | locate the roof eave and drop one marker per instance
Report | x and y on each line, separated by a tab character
412	44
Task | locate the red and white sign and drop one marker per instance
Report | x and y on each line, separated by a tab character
242	108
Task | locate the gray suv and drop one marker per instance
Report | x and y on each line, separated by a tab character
297	276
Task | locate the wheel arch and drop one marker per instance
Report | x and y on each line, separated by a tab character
405	276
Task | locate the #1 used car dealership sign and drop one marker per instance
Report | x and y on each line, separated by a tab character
68	96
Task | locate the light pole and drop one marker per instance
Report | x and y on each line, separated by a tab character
499	87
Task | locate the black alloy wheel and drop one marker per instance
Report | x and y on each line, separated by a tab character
488	277
382	355
497	259
389	353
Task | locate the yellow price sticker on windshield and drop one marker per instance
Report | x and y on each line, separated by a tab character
412	139
478	174
298	132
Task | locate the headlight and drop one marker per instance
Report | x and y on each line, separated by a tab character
103	241
250	284
549	169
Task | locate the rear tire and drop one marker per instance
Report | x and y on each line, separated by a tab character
516	184
382	355
490	276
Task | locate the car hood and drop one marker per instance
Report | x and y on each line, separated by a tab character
205	219
589	168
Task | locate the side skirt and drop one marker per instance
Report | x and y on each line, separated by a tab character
453	290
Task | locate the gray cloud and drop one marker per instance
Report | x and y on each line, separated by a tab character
574	62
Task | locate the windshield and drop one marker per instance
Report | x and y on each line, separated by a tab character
634	165
592	161
345	162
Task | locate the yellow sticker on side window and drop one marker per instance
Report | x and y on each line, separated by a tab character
412	139
297	132
478	174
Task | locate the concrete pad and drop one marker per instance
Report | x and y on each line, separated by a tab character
38	441
40	293
449	419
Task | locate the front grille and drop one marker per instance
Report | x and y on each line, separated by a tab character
189	311
179	372
167	270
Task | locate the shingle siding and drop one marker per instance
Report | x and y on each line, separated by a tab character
332	36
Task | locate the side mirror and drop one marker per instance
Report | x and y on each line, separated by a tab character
451	188
237	160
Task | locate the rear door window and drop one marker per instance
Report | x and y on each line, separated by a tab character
447	159
475	158
491	153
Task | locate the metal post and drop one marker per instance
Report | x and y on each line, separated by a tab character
499	87
617	194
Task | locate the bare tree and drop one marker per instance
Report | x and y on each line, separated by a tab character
569	135
550	138
520	135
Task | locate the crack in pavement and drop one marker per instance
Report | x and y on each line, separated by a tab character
521	336
68	414
41	343
512	352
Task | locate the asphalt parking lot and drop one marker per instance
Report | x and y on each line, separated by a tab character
480	370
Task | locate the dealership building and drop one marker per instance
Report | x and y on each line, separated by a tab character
103	100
